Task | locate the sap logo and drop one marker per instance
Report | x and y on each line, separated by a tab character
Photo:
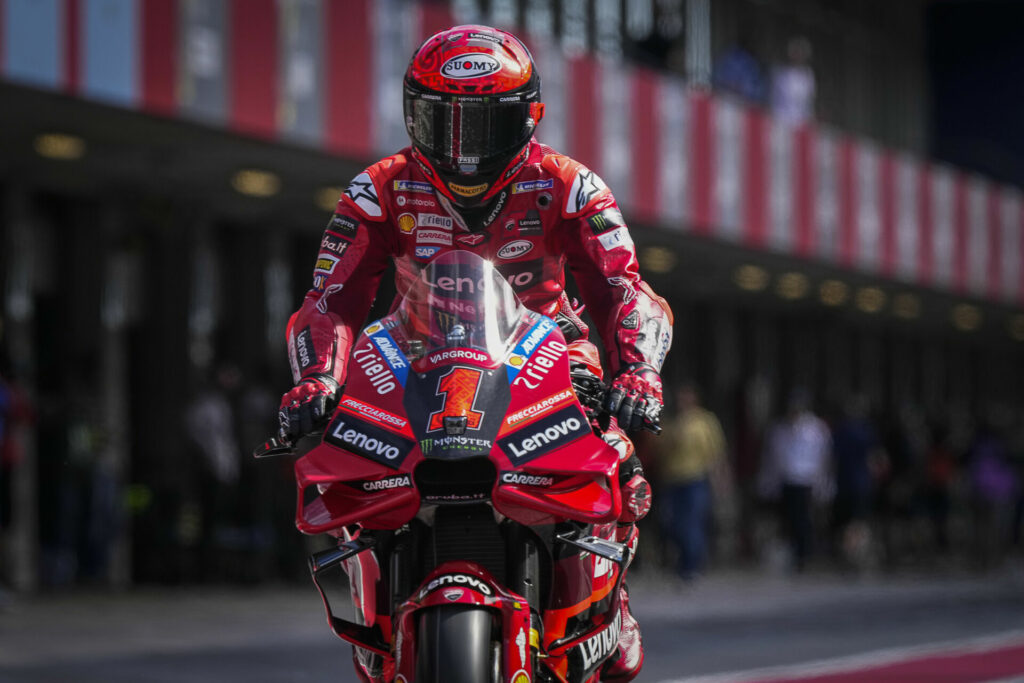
596	649
389	483
375	369
526	479
540	364
362	443
426	252
515	249
470	65
456	580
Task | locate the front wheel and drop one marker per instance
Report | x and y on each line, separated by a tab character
454	645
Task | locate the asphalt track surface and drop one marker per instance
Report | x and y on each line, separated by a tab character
735	627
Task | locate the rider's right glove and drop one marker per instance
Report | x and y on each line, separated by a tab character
635	398
307	404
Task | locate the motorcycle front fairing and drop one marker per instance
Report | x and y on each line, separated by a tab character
460	370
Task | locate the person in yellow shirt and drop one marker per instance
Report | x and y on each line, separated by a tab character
690	446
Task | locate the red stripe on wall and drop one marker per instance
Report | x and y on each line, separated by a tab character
584	110
348	51
252	88
926	247
995	243
805	188
701	163
3	14
644	191
847	202
434	16
887	202
756	179
159	30
960	228
72	21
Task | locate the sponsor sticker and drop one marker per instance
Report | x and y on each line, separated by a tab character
319	281
472	240
304	352
515	249
433	237
334	244
545	435
413	186
605	221
616	238
468	190
374	413
393	356
368	440
433	220
532	186
425	252
401	481
456	581
523	479
538	409
631	321
470	65
376	369
589	654
531	223
407	223
326	263
344	225
522	275
539	365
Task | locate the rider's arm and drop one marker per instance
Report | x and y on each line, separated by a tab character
635	324
354	253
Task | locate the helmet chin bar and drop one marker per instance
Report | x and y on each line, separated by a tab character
442	181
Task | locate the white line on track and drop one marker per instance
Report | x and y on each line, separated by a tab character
866	660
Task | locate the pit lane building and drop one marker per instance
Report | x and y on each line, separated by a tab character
168	166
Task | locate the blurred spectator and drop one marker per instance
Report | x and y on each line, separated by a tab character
15	412
994	488
792	89
210	424
738	72
858	457
940	473
795	471
691	445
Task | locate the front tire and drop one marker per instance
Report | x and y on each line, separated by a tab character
454	645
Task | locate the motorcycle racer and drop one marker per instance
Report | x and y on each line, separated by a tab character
476	179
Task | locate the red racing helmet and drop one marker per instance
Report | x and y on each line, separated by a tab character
472	102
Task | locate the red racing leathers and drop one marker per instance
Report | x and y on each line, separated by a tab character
556	212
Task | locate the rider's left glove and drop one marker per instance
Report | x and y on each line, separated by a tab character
635	398
306	405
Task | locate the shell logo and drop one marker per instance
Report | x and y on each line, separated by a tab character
521	677
374	328
516	361
406	223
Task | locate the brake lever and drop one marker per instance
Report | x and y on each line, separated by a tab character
272	447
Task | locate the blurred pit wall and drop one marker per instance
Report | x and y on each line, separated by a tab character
135	264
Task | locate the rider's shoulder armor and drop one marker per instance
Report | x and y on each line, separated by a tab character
582	189
364	194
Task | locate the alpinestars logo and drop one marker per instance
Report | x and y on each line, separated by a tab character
629	291
364	194
585	186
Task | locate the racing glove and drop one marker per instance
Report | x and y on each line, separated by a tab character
306	405
635	398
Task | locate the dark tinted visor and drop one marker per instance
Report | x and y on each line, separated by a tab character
466	130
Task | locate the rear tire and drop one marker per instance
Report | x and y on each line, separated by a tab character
454	645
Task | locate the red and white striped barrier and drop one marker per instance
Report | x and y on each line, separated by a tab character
327	73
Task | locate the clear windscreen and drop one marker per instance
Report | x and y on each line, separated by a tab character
460	300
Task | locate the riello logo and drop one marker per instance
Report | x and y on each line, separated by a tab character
470	65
